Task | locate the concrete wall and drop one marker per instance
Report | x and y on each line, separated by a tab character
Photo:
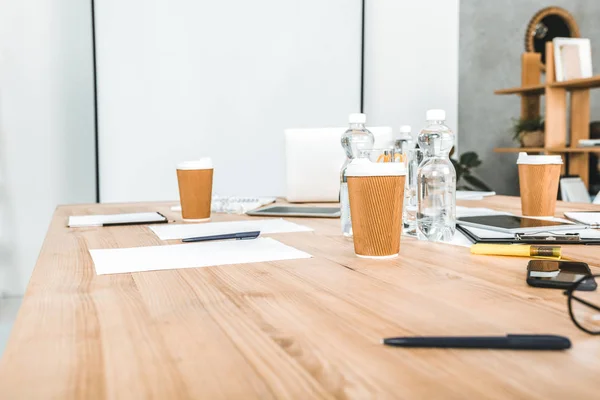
46	124
490	47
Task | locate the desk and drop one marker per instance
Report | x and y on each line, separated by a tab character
290	329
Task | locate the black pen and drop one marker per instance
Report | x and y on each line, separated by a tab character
239	236
511	342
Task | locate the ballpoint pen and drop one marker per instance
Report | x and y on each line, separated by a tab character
226	236
509	342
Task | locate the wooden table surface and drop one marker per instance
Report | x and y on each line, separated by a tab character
301	329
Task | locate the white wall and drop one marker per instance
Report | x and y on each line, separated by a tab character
181	79
46	124
411	61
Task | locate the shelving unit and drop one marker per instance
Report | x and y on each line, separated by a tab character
548	150
576	159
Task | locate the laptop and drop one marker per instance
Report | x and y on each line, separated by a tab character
314	158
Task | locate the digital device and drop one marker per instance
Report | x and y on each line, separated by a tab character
558	274
573	189
515	224
292	211
314	158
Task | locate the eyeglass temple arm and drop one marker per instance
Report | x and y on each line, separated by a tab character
595	307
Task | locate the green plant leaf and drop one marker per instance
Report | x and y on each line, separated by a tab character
477	183
470	159
527	125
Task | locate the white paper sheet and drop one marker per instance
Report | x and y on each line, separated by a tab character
472	195
111	219
477	212
265	226
192	255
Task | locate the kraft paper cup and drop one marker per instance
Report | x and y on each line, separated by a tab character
538	183
195	180
376	192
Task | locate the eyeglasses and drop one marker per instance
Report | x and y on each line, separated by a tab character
584	304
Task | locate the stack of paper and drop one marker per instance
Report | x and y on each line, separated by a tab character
192	255
591	218
265	226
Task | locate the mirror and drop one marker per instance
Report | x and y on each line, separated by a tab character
547	24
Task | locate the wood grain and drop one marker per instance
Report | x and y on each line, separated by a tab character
287	329
530	76
579	164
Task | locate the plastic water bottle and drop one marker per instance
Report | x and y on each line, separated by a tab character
404	141
356	139
436	181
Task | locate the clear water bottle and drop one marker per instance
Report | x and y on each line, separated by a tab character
404	141
356	139
436	181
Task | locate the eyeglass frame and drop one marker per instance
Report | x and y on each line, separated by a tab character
570	297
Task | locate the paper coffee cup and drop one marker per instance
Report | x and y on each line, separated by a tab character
376	192
195	180
538	183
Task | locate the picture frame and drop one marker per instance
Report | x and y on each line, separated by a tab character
572	58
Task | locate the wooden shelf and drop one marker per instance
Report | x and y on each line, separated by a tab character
524	90
547	150
574	150
563	112
519	149
574	84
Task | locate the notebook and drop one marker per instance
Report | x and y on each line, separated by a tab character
116	219
591	218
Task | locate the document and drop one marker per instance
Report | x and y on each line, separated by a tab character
192	255
591	218
265	226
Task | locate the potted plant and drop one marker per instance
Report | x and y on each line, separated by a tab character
529	132
465	180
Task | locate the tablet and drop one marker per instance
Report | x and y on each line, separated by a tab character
293	211
515	224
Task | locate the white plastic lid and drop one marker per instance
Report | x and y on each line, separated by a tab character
203	163
435	115
357	118
376	169
524	158
405	129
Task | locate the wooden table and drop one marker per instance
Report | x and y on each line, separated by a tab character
292	329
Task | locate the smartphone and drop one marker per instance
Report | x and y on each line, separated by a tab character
558	274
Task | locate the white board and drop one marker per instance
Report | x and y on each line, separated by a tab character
182	79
